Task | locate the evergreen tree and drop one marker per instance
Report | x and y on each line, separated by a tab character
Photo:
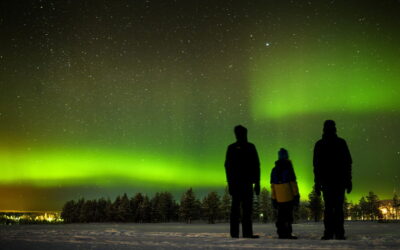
88	211
123	209
211	204
144	210
67	212
168	205
135	203
355	212
364	208
100	213
302	213
162	207
226	205
265	206
109	212
114	216
189	207
256	209
156	210
78	210
373	206
175	211
315	205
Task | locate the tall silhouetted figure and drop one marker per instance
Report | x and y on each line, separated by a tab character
242	168
285	194
332	176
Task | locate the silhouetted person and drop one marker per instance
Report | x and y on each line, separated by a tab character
285	194
242	168
332	172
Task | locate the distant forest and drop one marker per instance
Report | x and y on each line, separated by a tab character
212	208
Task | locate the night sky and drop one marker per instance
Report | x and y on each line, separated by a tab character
98	98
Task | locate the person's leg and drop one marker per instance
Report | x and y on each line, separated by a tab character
339	215
328	213
282	222
290	219
247	207
234	216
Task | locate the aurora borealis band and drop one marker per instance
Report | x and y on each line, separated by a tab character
98	98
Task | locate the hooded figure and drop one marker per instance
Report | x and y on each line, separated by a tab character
242	167
285	194
332	175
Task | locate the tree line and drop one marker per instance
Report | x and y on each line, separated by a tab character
162	207
368	207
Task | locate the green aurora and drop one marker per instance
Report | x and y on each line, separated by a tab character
100	100
327	82
96	167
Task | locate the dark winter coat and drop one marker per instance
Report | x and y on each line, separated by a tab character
332	162
242	165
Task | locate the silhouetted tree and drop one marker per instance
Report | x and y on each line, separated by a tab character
78	210
175	214
123	209
302	213
225	205
315	205
168	205
162	207
374	212
88	211
135	203
156	210
189	207
67	212
144	210
265	206
114	216
355	212
109	210
211	207
256	208
364	208
100	214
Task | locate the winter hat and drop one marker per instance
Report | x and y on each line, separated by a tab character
329	127
241	133
283	154
240	130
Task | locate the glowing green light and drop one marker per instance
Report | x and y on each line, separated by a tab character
83	167
324	82
110	168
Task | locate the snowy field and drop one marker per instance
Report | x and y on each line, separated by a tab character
361	235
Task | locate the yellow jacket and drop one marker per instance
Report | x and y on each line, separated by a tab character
283	182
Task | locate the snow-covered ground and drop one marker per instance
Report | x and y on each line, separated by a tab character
361	235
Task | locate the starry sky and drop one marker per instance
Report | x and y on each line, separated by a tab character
98	98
